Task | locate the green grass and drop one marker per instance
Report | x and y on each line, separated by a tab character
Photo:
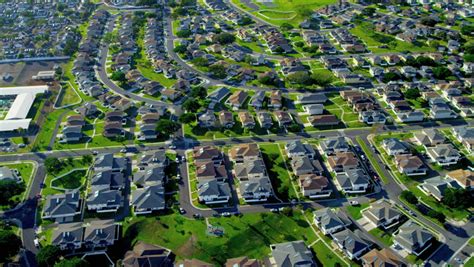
326	255
68	96
354	211
47	129
249	235
73	180
26	171
76	164
381	235
275	163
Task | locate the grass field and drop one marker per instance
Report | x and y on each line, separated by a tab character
384	237
355	211
72	180
68	96
249	235
66	183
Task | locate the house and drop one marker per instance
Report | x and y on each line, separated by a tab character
100	233
394	146
384	257
298	149
382	214
226	119
237	99
256	189
413	238
334	145
283	118
294	253
107	162
148	199
409	116
465	136
314	109
311	98
276	99
353	181
464	178
246	119
429	137
113	129
443	154
436	186
243	262
68	236
149	175
343	161
410	165
62	207
218	96
7	174
353	244
243	152
305	165
441	110
214	192
324	120
156	158
207	119
206	171
372	117
144	254
329	222
257	100
192	262
202	154
314	186
265	119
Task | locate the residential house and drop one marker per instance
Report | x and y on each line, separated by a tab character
330	222
305	165
283	118
243	262
108	162
334	145
382	214
410	165
437	186
265	119
226	119
68	236
294	253
298	149
353	244
384	257
144	254
243	152
314	109
101	233
343	161
257	100
246	119
207	119
324	120
62	207
394	147
276	100
311	98
353	181
464	178
314	186
7	174
148	199
444	154
237	99
214	192
202	154
149	175
429	137
413	238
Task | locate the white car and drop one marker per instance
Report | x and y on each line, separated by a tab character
354	202
36	242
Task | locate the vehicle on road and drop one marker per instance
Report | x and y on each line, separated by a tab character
226	214
274	210
36	242
197	216
182	211
354	202
95	152
123	150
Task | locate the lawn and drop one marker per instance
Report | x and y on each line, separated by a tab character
68	96
326	256
67	182
355	211
47	129
384	237
72	180
26	171
374	39
278	172
249	235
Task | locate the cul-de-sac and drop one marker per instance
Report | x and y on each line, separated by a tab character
236	133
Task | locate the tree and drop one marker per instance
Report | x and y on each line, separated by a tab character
187	118
245	21
294	128
183	33
191	105
322	79
180	49
441	73
467	29
412	93
218	71
224	38
198	92
299	44
47	256
368	11
74	262
200	61
437	215
458	198
166	127
86	159
53	165
300	77
10	244
118	76
410	197
390	76
286	26
428	21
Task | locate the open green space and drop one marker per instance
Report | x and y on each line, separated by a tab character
71	180
383	236
326	255
67	182
249	235
68	96
355	211
276	167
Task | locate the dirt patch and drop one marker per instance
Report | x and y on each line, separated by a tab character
21	73
188	249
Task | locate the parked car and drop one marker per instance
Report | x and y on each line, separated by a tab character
354	202
226	214
182	211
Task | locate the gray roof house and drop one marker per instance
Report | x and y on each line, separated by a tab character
353	181
413	238
148	199
256	189
429	137
298	149
314	109
62	207
155	158
353	244
290	254
311	98
100	233
112	180
104	199
105	162
306	165
436	186
444	154
382	214
7	174
265	119
214	192
329	222
334	145
394	146
149	175
68	236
